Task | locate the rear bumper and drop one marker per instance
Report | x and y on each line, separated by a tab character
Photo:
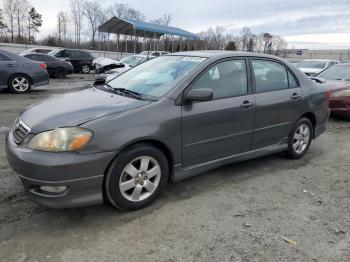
41	78
81	174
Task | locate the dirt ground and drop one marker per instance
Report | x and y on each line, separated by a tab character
267	209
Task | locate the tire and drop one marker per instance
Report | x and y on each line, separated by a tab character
19	84
299	139
60	73
143	171
85	69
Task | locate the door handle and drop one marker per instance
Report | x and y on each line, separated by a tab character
295	96
247	104
10	65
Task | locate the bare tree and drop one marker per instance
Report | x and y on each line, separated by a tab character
93	13
62	25
9	10
77	10
245	34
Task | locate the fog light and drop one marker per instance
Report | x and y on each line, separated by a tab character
53	189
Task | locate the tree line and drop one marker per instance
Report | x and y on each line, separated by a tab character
78	28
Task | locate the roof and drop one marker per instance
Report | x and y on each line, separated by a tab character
222	53
126	26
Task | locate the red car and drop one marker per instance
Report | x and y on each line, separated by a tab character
338	80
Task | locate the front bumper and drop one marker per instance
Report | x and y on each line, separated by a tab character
340	106
82	174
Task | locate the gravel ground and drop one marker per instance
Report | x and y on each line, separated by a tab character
267	209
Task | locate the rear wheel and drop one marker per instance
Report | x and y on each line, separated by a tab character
300	139
61	73
19	84
136	177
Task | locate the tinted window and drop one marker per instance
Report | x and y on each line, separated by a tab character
226	79
61	54
4	58
291	80
74	54
269	76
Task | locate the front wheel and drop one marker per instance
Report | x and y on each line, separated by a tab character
136	177
300	139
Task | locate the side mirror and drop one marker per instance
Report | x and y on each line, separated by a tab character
203	94
99	82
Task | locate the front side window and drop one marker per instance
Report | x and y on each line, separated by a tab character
226	79
269	76
158	76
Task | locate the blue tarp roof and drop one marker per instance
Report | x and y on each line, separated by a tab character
126	26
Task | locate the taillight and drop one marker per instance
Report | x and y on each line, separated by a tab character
43	66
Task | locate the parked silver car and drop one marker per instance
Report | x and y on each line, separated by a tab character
167	119
312	67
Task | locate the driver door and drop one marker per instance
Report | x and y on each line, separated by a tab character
222	127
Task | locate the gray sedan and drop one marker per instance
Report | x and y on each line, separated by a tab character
19	74
165	120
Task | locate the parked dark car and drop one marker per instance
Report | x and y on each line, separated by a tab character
337	79
55	66
81	60
169	118
19	74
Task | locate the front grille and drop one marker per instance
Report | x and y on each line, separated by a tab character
20	131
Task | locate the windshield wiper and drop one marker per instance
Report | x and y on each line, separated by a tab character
124	91
128	92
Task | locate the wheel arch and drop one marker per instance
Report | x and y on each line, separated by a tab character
153	142
19	74
312	117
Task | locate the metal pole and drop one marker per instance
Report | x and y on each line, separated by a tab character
135	41
108	45
172	44
126	44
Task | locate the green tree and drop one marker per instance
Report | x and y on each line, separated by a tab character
35	21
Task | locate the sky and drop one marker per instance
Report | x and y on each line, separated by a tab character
311	24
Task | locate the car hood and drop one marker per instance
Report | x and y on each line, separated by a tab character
310	70
76	108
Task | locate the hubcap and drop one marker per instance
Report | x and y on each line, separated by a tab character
301	138
20	84
140	178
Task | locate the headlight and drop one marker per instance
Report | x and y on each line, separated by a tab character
341	93
61	139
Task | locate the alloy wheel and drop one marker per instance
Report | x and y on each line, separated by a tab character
301	138
140	178
20	84
85	69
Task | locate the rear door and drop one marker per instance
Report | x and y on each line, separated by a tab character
7	68
279	101
223	127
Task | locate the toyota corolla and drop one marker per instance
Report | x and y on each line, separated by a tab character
165	120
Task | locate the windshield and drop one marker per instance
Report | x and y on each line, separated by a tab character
157	76
132	60
336	73
312	64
